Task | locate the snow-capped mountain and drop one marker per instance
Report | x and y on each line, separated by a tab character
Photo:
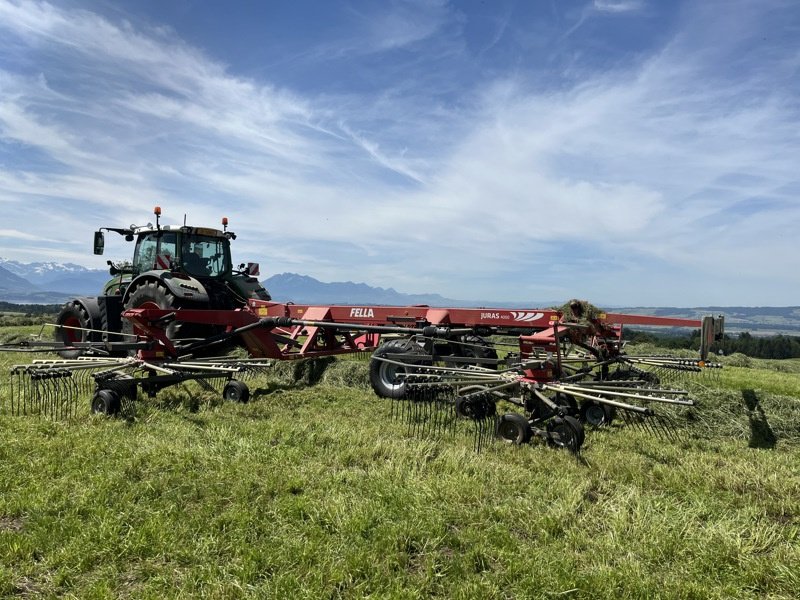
42	273
50	280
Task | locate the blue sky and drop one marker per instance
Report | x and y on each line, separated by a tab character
623	151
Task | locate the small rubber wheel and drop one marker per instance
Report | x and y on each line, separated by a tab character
514	428
566	432
105	402
596	414
236	391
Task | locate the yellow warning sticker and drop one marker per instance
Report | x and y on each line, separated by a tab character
263	311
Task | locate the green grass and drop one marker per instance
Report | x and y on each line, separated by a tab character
313	491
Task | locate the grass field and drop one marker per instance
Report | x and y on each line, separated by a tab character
313	491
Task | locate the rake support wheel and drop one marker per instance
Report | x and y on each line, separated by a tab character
565	432
236	391
596	414
105	402
514	428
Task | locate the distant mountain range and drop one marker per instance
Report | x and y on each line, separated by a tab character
47	282
302	289
55	283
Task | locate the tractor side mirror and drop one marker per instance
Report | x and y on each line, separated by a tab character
99	242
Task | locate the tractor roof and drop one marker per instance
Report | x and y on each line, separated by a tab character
207	231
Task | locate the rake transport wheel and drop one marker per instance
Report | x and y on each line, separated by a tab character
514	428
74	315
387	379
596	414
105	402
566	432
236	391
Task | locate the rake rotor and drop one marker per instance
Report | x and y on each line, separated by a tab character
53	388
437	398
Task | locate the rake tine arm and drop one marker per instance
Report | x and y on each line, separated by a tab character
489	373
547	402
629	384
630	407
491	390
572	389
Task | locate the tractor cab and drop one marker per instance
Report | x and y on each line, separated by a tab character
193	263
197	252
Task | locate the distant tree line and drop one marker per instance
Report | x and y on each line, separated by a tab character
27	314
30	309
774	346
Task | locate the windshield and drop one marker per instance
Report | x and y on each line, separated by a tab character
205	256
154	251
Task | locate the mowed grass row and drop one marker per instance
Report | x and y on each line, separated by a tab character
313	491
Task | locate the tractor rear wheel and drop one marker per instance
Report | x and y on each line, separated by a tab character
73	324
387	379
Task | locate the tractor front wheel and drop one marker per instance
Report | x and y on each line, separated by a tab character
150	294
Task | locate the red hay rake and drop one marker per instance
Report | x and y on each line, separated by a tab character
440	366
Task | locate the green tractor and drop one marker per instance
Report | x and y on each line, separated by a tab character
172	267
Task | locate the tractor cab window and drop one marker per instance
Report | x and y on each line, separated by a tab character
205	256
155	251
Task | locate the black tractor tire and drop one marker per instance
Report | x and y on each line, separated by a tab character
384	377
74	314
150	294
514	428
106	402
596	414
236	391
566	432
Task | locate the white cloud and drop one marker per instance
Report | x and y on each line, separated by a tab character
617	6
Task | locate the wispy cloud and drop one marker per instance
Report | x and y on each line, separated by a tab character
617	6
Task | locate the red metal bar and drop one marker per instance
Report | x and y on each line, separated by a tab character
623	319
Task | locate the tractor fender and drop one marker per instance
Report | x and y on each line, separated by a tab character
183	287
250	287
